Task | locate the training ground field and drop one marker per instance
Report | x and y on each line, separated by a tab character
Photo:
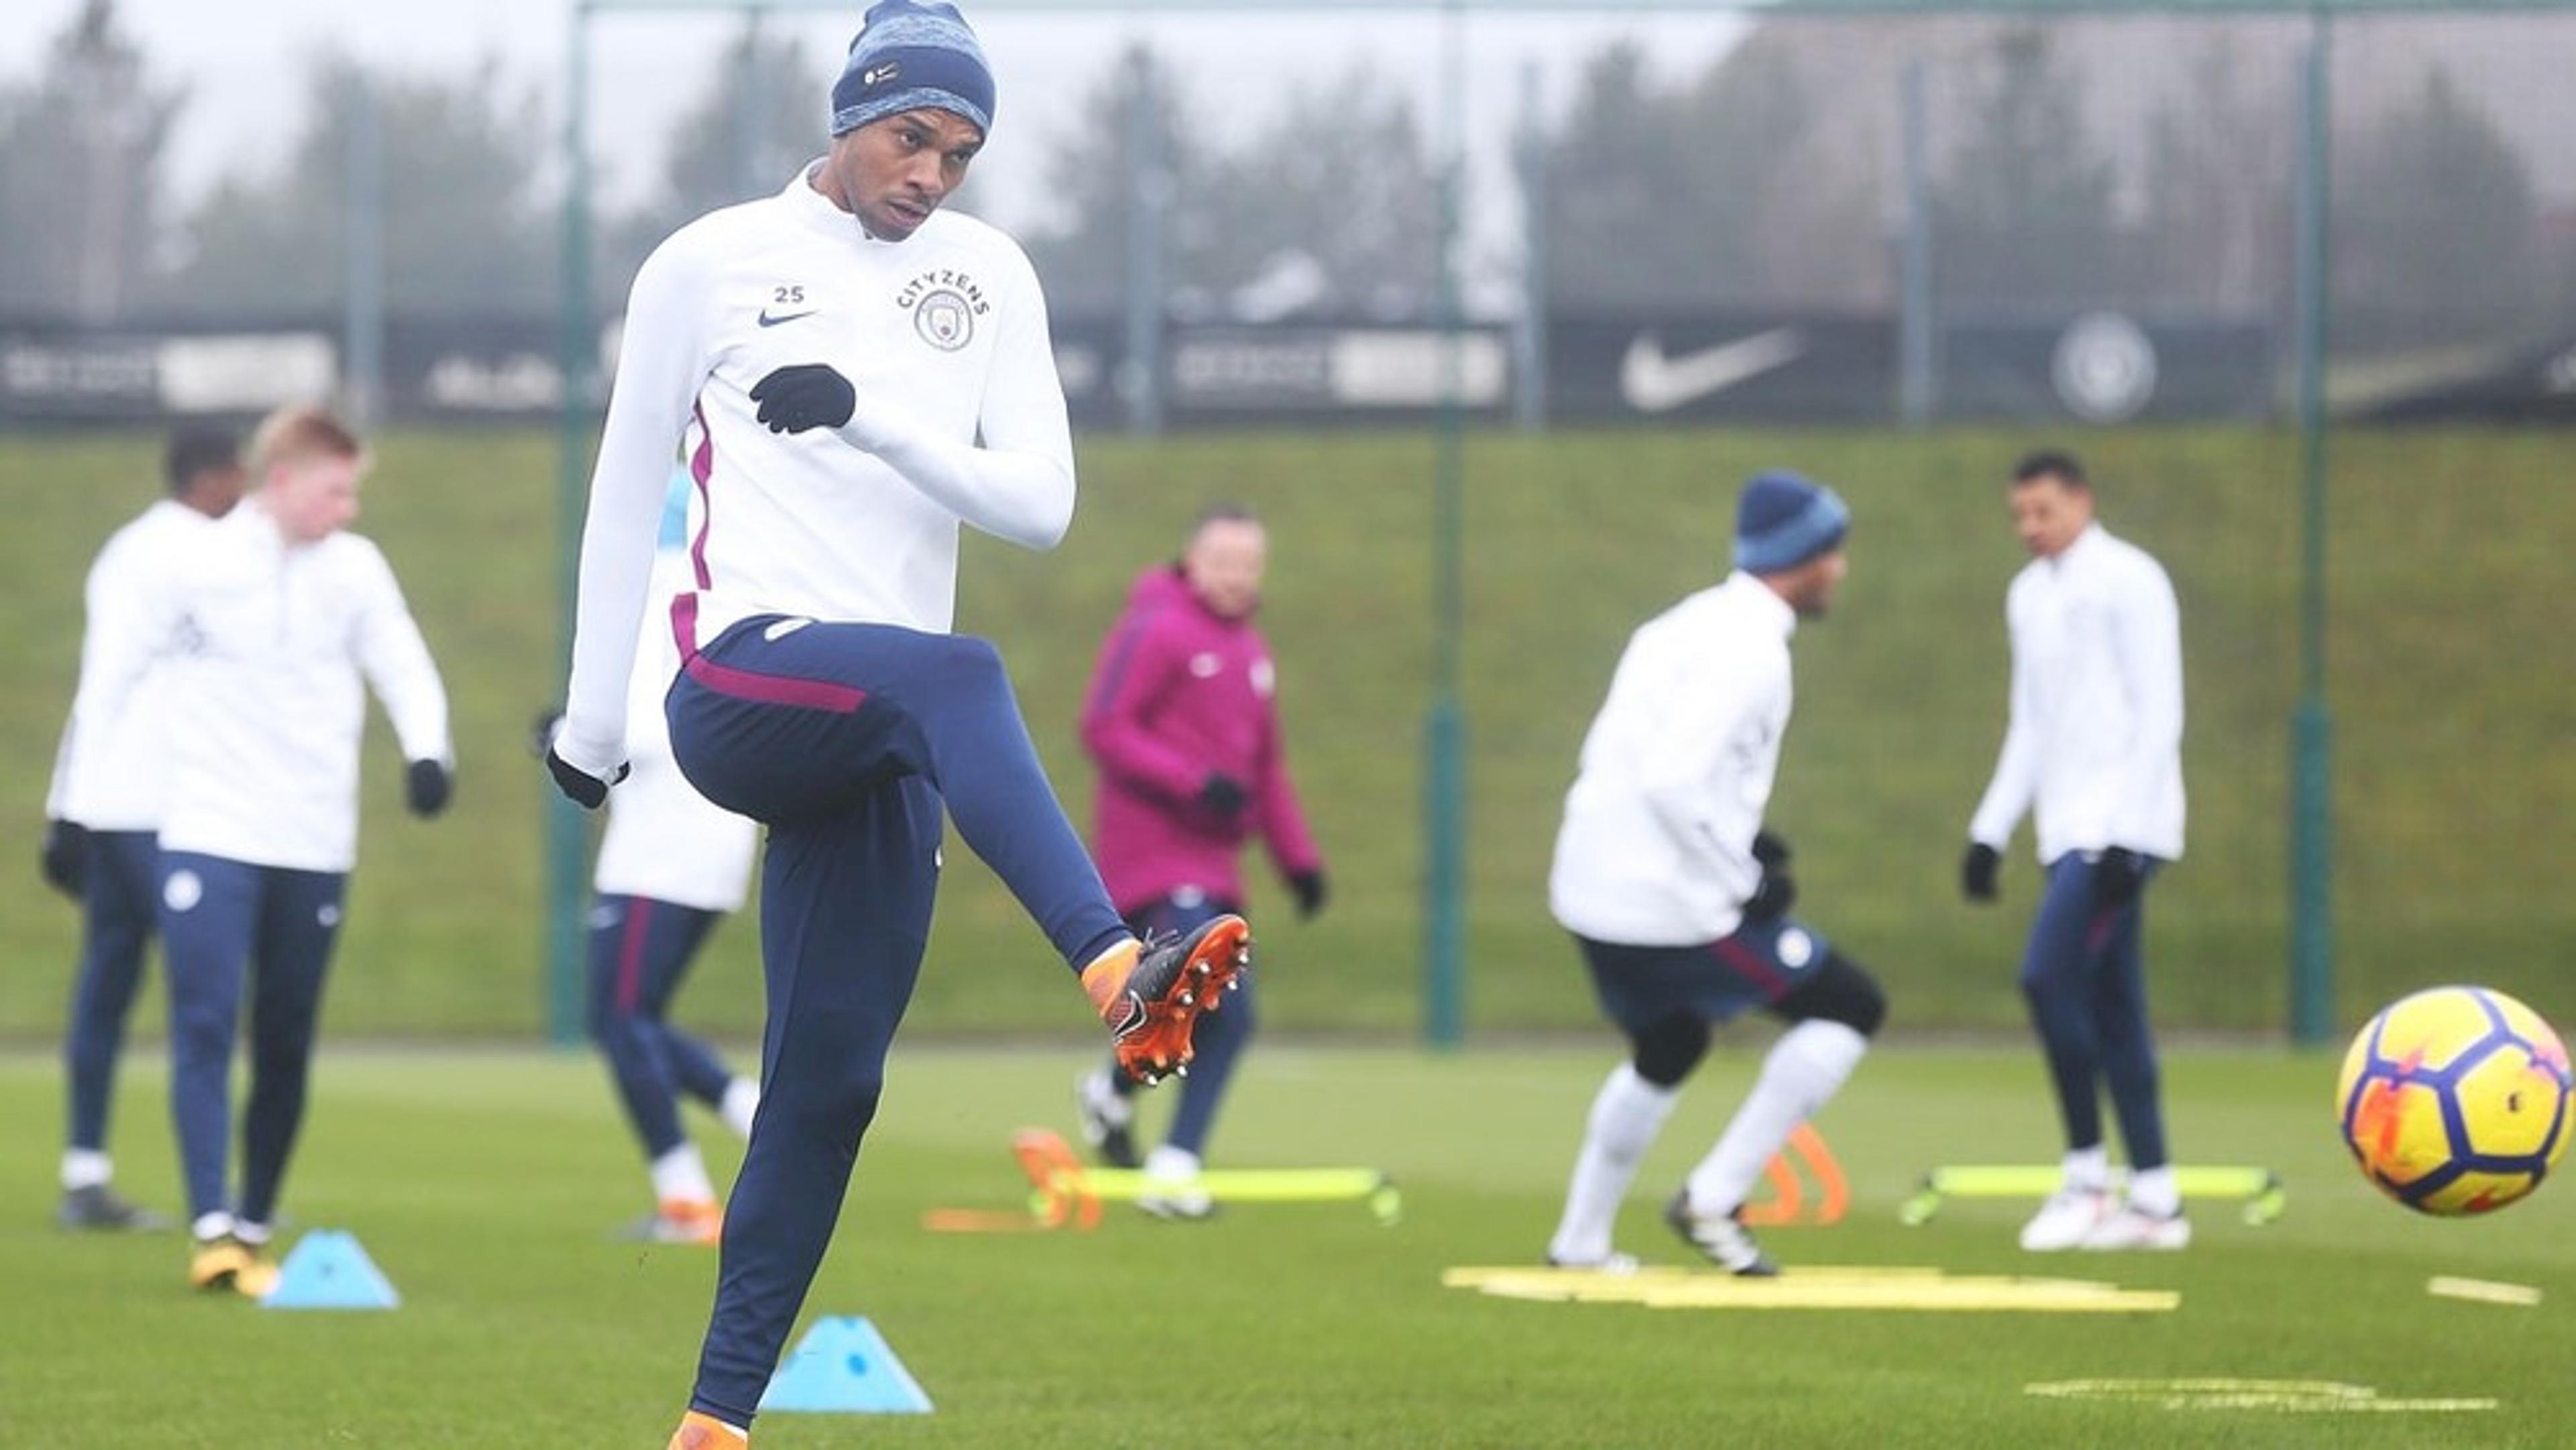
486	1186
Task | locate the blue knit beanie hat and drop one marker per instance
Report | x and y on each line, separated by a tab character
911	55
1783	520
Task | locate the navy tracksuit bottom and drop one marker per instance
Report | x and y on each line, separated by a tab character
117	914
845	740
227	925
640	948
2085	979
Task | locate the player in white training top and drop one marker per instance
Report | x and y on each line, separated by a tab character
850	373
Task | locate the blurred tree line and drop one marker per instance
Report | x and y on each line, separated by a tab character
1769	180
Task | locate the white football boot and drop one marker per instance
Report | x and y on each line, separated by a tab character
2066	1220
2132	1227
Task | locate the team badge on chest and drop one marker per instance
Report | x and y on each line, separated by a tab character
944	305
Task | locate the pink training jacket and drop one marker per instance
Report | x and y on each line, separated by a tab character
1180	693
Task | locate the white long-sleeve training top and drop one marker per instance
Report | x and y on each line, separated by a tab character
112	777
664	840
2095	736
944	336
1657	844
264	647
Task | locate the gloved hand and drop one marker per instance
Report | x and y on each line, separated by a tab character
804	395
64	857
2118	876
1222	794
426	786
1309	889
1977	872
586	790
1776	892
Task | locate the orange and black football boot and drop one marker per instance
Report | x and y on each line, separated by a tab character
1151	993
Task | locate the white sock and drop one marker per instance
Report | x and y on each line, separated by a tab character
2089	1169
254	1234
2153	1190
681	1176
210	1226
1802	1071
741	1100
1626	1115
86	1168
1178	1165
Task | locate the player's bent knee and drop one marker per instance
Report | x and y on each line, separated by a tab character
1667	1051
1841	991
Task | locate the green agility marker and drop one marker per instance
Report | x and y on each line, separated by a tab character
2261	1188
1251	1185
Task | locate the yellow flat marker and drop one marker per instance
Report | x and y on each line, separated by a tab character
1896	1287
2297	1397
2482	1291
1933	1296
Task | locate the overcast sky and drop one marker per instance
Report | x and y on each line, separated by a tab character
243	62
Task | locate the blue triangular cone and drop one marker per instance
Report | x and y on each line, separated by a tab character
328	1270
843	1364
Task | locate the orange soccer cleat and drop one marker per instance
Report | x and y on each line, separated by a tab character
1151	993
227	1264
706	1432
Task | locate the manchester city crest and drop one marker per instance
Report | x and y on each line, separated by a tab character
944	319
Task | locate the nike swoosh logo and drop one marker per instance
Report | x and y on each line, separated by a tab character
768	321
1653	383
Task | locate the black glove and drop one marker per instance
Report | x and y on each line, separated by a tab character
2118	877
65	857
586	790
1309	889
426	786
805	395
1977	872
1222	794
1776	892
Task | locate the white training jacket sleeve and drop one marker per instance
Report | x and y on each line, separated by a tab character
2016	780
115	659
661	363
110	604
2147	637
395	659
1686	776
1019	485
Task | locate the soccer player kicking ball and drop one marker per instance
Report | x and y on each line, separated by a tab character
1679	899
827	359
266	627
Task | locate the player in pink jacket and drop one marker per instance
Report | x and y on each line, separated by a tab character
1182	718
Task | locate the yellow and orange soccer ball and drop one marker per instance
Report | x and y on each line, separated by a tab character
2455	1100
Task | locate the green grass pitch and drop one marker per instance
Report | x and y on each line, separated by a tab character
486	1185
